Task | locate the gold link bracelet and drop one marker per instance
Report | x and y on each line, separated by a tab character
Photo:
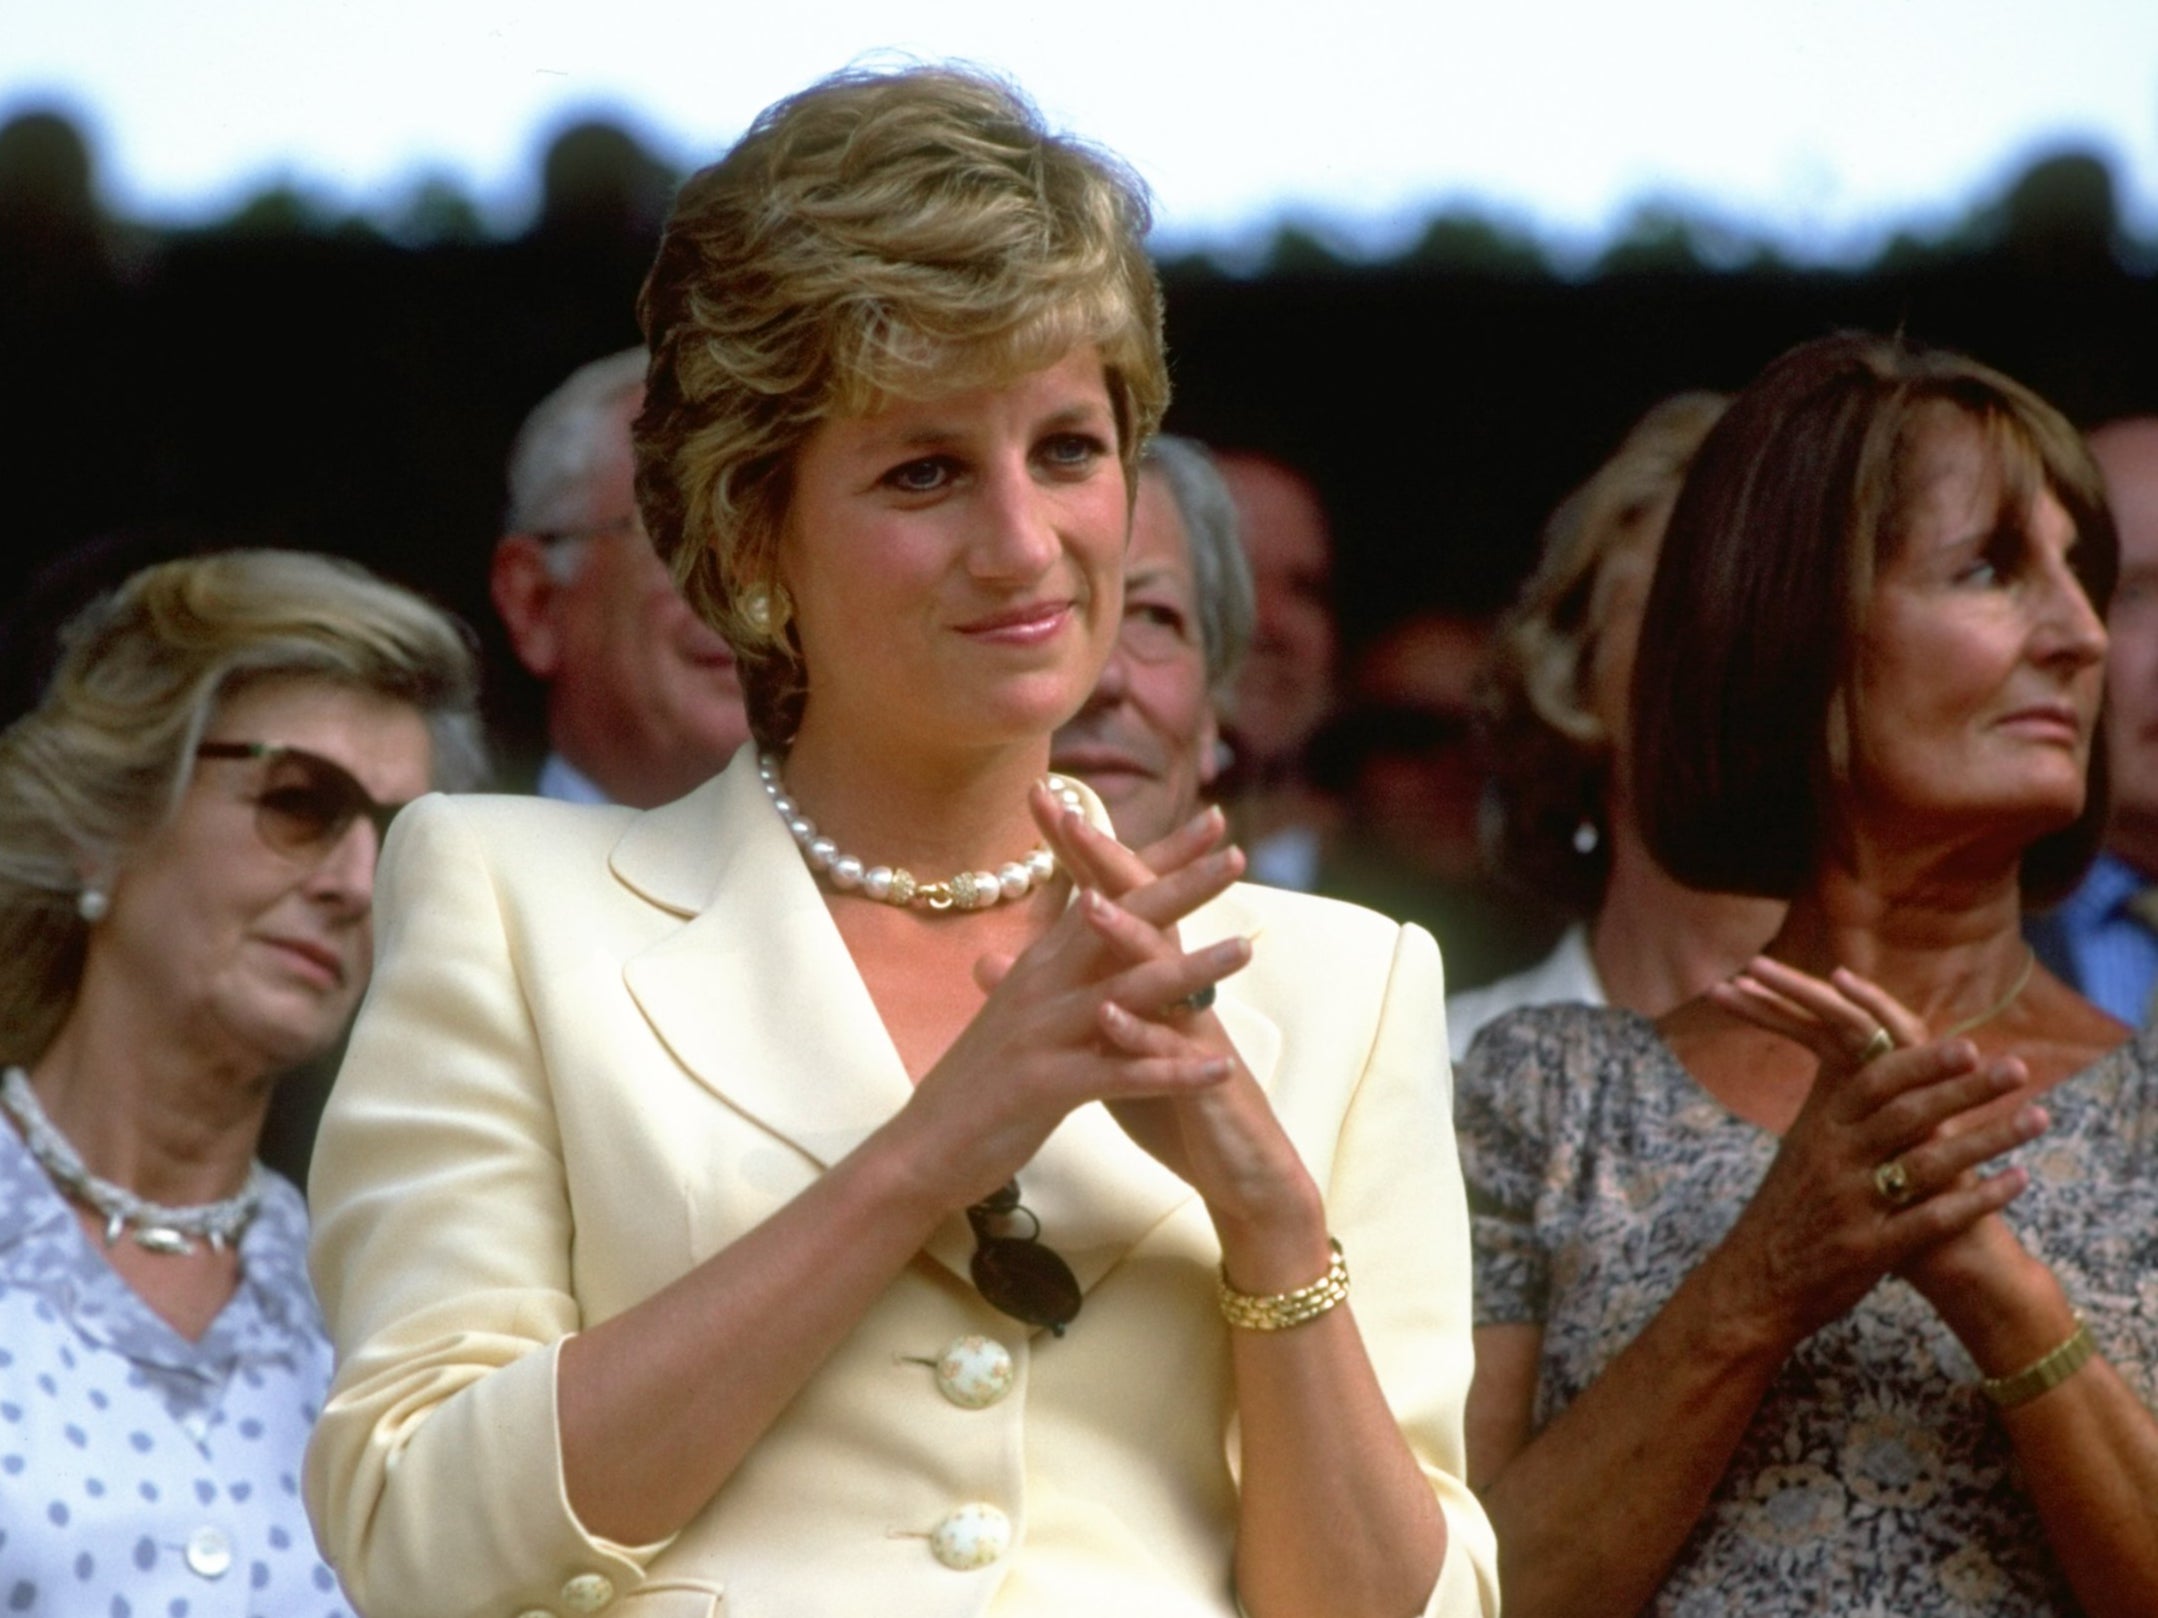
2043	1374
1278	1311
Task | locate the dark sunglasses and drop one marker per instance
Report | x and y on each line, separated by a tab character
1016	1274
307	802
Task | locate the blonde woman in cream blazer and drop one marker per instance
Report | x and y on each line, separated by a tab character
602	1045
665	1206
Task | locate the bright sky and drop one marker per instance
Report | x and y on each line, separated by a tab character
1809	121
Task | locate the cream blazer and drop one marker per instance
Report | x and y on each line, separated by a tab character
600	1045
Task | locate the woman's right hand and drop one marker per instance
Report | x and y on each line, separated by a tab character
1036	1049
1881	1163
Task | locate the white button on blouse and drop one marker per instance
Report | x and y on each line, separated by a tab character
972	1536
974	1372
209	1553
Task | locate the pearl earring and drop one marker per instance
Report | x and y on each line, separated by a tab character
1586	837
766	609
92	903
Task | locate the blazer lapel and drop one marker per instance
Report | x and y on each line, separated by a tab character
757	997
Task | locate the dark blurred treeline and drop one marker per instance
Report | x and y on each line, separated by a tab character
291	377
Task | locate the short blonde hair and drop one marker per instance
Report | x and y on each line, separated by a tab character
878	236
105	757
1551	751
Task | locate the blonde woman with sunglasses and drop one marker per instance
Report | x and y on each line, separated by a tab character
188	828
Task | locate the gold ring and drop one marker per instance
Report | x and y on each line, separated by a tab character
1878	1046
1893	1181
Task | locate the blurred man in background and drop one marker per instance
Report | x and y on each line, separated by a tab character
2103	938
1286	688
1149	738
1404	761
643	702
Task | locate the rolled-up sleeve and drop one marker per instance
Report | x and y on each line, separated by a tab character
442	1257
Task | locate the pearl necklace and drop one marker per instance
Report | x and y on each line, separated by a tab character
895	884
153	1225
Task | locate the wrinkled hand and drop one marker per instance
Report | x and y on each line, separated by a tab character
1830	1218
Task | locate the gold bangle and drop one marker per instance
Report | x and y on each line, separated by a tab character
2048	1371
1278	1311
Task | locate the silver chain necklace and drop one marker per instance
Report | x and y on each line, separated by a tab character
154	1226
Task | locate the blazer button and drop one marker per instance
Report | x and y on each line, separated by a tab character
535	1612
588	1592
974	1372
973	1536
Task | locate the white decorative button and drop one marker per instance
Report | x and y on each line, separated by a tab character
588	1592
209	1553
974	1372
973	1536
535	1612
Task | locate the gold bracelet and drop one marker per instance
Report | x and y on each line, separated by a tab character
1278	1311
2048	1371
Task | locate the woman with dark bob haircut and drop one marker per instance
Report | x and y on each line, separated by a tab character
1831	1290
864	1186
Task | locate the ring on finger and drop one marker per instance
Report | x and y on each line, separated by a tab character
1879	1045
1198	1000
1893	1181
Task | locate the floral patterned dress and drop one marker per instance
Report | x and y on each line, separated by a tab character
1874	1478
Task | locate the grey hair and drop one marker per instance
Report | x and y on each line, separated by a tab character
563	442
104	759
1221	573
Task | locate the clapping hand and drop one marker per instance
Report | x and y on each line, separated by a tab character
1879	1171
1224	1140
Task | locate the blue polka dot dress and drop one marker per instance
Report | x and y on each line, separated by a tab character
142	1475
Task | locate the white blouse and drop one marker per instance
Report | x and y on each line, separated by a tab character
142	1475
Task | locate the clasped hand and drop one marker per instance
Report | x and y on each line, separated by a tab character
1879	1172
1099	1009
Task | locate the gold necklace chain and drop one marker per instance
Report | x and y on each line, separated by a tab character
2023	980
